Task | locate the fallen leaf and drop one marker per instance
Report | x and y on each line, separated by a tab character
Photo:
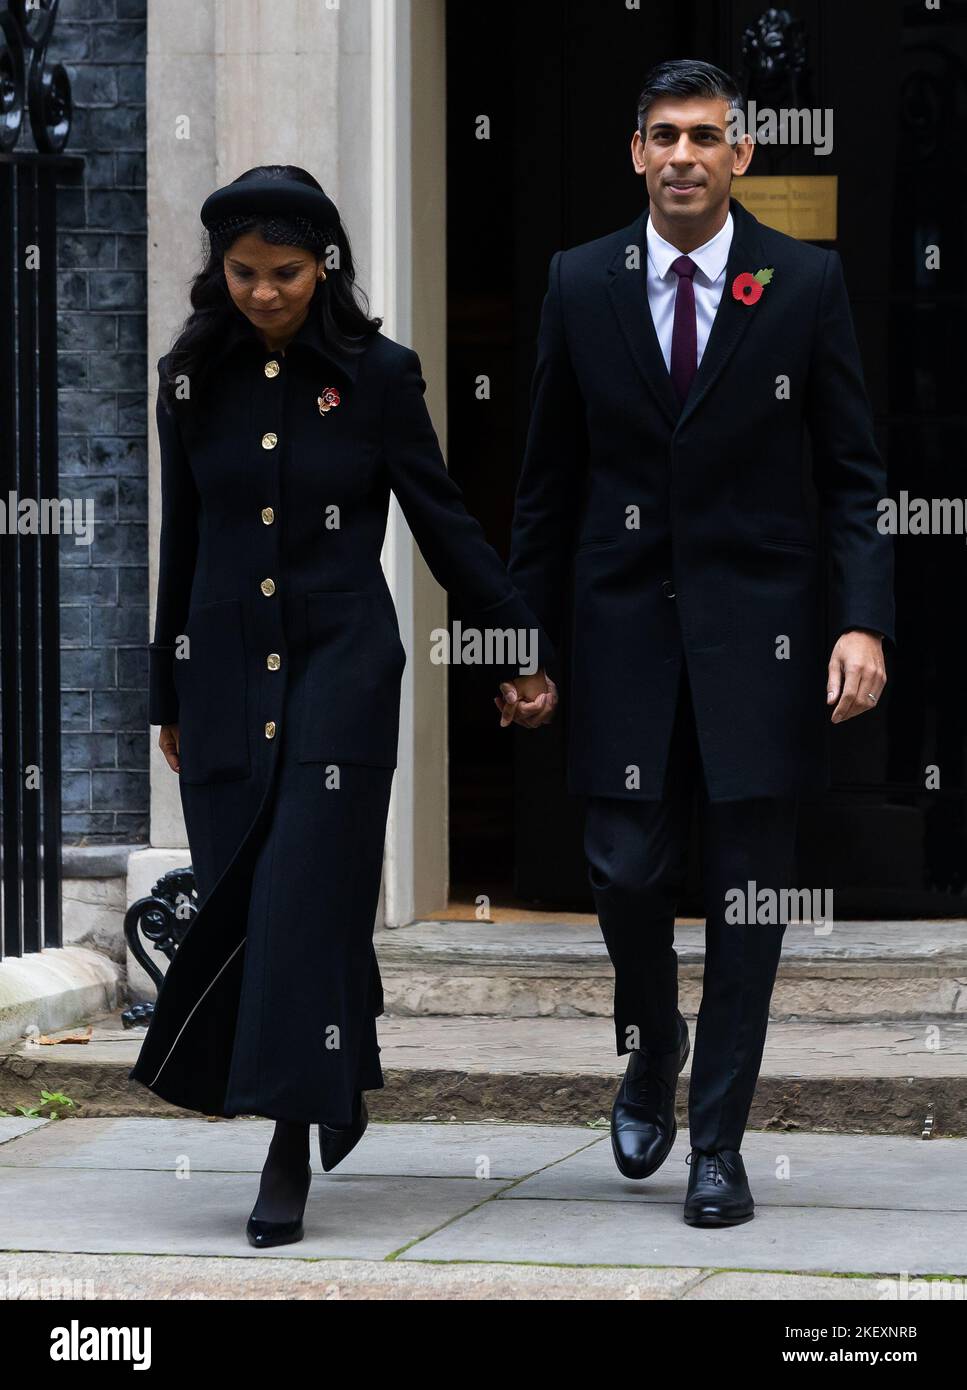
82	1037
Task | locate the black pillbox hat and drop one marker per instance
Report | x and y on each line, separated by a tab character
279	197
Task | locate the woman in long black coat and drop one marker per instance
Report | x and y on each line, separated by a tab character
285	419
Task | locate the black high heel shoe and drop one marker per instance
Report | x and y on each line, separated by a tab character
335	1144
262	1234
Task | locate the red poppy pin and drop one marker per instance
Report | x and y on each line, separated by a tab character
328	399
748	287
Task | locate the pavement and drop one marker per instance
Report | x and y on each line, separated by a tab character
487	1171
136	1207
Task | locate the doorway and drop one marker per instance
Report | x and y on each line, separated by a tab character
540	112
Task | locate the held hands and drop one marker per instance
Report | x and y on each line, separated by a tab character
168	743
527	700
857	674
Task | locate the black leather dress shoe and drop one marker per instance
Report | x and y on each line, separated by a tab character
335	1144
718	1189
262	1234
643	1125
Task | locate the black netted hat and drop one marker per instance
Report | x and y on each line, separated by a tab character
281	205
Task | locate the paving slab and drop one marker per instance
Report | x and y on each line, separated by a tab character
758	1287
142	1277
14	1127
150	1212
172	1277
788	1170
804	1239
240	1146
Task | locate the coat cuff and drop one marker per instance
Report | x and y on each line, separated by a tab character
867	611
162	696
512	612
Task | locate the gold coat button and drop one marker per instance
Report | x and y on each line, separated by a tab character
270	729
269	440
271	368
273	661
267	586
268	515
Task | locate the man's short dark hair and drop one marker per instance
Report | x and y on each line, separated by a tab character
687	77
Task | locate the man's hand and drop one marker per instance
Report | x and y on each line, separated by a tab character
168	742
857	674
527	700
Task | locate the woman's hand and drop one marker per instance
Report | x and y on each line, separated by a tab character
527	700
168	743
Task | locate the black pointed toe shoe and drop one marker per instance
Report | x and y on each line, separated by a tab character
262	1234
335	1144
718	1189
643	1125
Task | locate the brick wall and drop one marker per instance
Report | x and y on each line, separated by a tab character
102	422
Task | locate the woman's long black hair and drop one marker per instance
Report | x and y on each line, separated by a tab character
340	307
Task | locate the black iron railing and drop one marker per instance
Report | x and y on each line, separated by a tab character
30	763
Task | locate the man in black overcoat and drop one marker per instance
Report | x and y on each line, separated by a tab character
680	362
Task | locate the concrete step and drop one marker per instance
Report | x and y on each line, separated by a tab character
864	1078
852	972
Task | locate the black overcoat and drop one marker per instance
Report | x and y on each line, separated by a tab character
682	535
288	697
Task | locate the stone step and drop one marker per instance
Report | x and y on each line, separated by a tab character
851	972
864	1078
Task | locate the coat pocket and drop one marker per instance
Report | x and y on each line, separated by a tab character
212	690
787	542
596	543
351	701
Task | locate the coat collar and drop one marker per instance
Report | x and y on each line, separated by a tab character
711	259
627	288
308	340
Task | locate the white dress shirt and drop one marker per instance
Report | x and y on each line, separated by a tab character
709	282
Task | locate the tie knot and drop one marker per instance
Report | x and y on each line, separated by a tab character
684	267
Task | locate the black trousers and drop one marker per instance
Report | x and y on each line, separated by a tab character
637	860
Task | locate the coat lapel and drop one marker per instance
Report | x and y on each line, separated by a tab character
732	317
627	287
629	295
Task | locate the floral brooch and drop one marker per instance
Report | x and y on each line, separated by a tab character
328	399
747	288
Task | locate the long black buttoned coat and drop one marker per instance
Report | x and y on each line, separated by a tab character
681	533
277	652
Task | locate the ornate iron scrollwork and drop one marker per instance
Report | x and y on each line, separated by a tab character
162	918
26	80
774	58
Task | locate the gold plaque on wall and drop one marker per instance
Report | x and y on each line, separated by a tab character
801	205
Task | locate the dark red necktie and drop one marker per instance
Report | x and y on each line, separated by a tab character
684	355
